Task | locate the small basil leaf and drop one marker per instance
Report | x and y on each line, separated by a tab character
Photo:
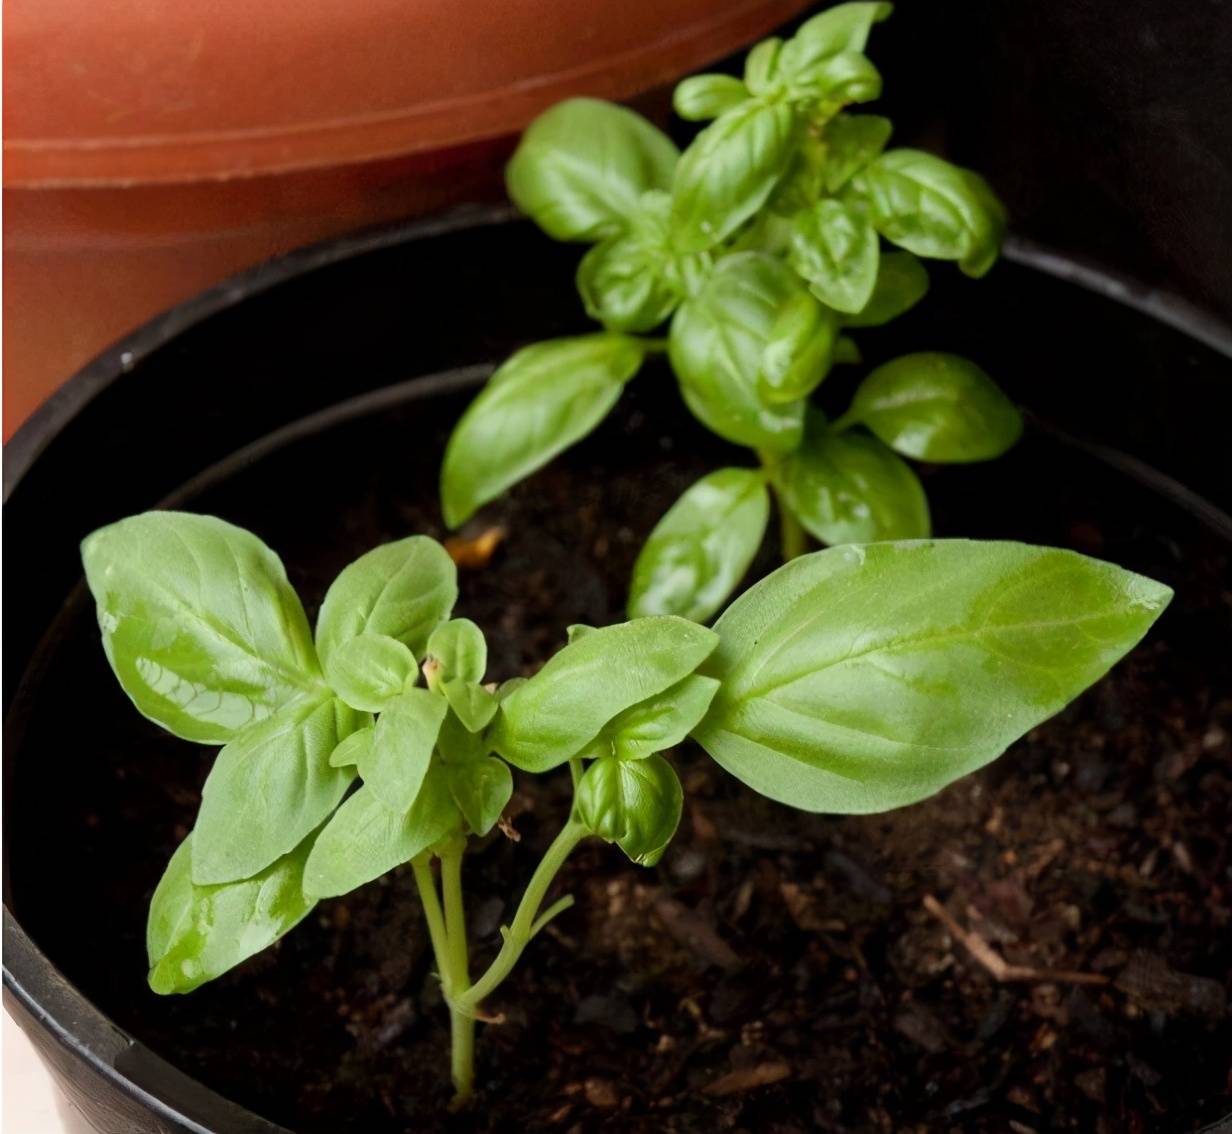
839	30
400	589
370	670
834	247
702	547
581	166
799	350
635	804
937	407
269	788
365	838
353	749
859	679
625	285
761	68
566	704
728	171
473	705
456	649
902	281
662	721
196	933
702	97
393	767
542	400
851	142
481	789
849	488
834	83
717	345
932	208
199	623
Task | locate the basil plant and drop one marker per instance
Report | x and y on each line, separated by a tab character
782	227
851	680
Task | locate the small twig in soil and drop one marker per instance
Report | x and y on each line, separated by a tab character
1000	969
471	554
748	1078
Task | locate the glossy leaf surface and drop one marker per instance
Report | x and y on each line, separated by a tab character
799	350
542	400
835	248
702	546
701	97
199	623
852	141
656	724
902	281
858	679
635	804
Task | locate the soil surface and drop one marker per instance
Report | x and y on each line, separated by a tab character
778	971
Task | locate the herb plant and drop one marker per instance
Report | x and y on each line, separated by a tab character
854	679
762	243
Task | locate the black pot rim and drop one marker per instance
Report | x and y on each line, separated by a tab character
34	984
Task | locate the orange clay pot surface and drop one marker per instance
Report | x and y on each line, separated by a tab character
153	147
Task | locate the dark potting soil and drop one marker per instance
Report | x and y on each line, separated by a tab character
778	971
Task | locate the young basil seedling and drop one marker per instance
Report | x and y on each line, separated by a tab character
855	679
764	244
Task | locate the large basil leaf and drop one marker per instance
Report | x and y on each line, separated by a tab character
937	407
581	166
728	171
370	670
717	348
932	208
702	546
198	622
196	933
902	281
859	679
701	97
549	719
834	246
271	787
400	589
849	488
799	350
635	804
394	765
542	400
365	839
852	141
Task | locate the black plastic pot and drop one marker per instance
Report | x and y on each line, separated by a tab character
387	333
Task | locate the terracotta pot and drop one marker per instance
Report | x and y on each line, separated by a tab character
151	150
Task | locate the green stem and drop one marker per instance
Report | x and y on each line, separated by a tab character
462	1024
422	868
846	421
653	345
526	922
793	540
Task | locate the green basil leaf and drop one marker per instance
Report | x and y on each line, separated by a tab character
393	767
799	350
846	352
932	208
834	247
400	589
635	804
702	547
196	933
702	97
625	284
839	30
199	623
481	789
581	166
717	346
566	704
937	407
859	679
728	171
658	723
849	488
761	68
542	400
269	788
473	705
838	81
365	838
902	281
353	748
578	630
456	649
370	670
851	142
